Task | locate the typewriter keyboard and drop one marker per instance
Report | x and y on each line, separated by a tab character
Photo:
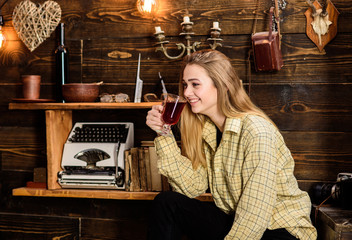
104	133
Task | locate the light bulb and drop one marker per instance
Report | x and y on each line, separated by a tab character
2	39
147	7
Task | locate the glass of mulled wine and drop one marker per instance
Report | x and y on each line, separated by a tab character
173	106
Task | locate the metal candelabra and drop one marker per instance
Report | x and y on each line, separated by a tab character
215	36
187	26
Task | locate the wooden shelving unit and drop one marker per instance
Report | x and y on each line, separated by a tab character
101	194
58	118
80	106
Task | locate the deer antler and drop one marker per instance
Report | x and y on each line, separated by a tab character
324	6
314	10
311	5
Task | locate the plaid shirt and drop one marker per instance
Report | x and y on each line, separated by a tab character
250	175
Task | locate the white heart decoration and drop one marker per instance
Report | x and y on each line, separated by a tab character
35	24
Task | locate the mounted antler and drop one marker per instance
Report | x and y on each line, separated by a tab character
324	6
320	21
311	5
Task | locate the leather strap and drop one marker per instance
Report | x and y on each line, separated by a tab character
255	18
277	19
271	24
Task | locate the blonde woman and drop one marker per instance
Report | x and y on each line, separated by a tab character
232	148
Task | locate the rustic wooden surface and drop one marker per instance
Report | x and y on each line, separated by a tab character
334	223
58	127
99	194
38	227
82	106
309	99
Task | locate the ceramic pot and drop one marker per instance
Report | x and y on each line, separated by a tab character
80	92
31	86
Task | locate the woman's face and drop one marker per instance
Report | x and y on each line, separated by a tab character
200	90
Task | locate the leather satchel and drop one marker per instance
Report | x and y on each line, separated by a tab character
266	49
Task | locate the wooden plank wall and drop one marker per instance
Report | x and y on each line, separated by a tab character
309	99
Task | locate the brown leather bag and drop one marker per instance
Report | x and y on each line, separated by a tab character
266	49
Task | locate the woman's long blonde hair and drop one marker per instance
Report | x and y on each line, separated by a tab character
233	101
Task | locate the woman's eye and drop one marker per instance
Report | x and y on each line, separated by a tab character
195	84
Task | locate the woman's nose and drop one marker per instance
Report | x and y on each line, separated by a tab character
186	92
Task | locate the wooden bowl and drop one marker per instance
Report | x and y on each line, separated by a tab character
80	92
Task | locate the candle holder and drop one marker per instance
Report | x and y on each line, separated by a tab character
187	32
215	38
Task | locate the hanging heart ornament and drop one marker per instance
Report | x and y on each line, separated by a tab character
35	23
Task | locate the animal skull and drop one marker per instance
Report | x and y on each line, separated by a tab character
320	21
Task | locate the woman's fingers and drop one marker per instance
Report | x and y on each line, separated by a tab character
153	119
157	108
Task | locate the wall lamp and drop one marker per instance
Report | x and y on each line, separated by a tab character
147	7
2	37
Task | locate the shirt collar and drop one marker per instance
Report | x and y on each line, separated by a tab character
232	125
209	130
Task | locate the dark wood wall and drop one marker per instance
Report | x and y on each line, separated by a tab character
309	99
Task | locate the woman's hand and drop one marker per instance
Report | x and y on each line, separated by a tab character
154	120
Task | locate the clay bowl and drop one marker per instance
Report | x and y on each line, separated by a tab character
80	92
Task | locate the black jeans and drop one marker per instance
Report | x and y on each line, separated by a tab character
174	215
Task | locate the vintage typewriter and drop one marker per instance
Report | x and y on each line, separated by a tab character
93	155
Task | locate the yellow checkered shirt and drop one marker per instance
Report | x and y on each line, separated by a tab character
250	175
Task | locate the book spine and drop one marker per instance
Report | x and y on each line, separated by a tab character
142	170
147	168
155	175
127	156
135	179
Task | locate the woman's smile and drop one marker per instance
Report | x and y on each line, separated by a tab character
199	90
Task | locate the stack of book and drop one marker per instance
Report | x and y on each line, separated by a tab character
141	172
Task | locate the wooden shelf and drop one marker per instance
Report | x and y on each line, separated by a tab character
78	106
58	118
89	193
